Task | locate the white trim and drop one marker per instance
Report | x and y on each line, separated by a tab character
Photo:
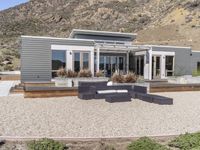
123	52
160	53
150	64
97	59
168	46
196	51
140	53
72	48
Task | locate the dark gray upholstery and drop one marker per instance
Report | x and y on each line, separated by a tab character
161	100
86	96
140	89
119	97
141	93
89	90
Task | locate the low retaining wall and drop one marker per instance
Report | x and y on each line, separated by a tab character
9	77
173	87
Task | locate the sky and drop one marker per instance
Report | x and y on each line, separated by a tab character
4	4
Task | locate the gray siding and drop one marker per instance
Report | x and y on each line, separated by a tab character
195	59
182	59
36	56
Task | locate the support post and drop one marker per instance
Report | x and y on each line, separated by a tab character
127	62
98	58
150	64
92	62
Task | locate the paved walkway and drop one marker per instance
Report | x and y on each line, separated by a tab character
5	87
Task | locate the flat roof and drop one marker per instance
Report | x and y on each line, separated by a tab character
103	33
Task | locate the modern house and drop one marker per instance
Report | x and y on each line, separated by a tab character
109	52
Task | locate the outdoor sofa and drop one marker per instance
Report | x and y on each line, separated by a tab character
100	90
118	93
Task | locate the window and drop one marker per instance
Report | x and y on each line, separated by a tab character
85	61
58	61
198	66
169	65
81	61
77	62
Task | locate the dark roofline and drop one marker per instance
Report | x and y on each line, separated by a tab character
104	33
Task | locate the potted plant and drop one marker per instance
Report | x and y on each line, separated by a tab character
100	74
130	78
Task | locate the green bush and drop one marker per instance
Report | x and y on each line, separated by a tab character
187	141
46	144
196	73
146	144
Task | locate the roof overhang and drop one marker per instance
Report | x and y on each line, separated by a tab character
122	48
132	36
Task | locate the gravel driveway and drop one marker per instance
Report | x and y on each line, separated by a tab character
71	117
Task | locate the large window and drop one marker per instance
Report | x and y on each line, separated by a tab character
58	61
81	61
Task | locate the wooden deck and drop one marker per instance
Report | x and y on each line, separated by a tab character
50	93
167	87
47	89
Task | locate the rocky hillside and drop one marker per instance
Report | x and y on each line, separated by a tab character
175	22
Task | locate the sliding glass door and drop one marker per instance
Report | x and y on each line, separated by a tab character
139	65
112	64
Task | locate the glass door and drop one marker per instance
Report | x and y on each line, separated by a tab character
156	70
169	66
140	65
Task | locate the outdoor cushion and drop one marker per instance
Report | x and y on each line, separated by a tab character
140	89
119	97
106	91
122	91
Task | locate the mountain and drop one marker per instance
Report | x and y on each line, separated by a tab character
169	22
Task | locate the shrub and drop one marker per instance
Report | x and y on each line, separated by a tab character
61	72
71	74
117	78
196	73
146	144
186	141
85	73
130	78
100	74
46	144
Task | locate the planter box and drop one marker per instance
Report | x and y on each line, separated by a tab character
76	80
73	82
63	82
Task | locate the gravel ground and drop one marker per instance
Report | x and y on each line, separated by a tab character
71	117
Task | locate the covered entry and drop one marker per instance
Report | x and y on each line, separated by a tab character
115	58
154	64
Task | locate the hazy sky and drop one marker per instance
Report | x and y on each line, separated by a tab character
4	4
